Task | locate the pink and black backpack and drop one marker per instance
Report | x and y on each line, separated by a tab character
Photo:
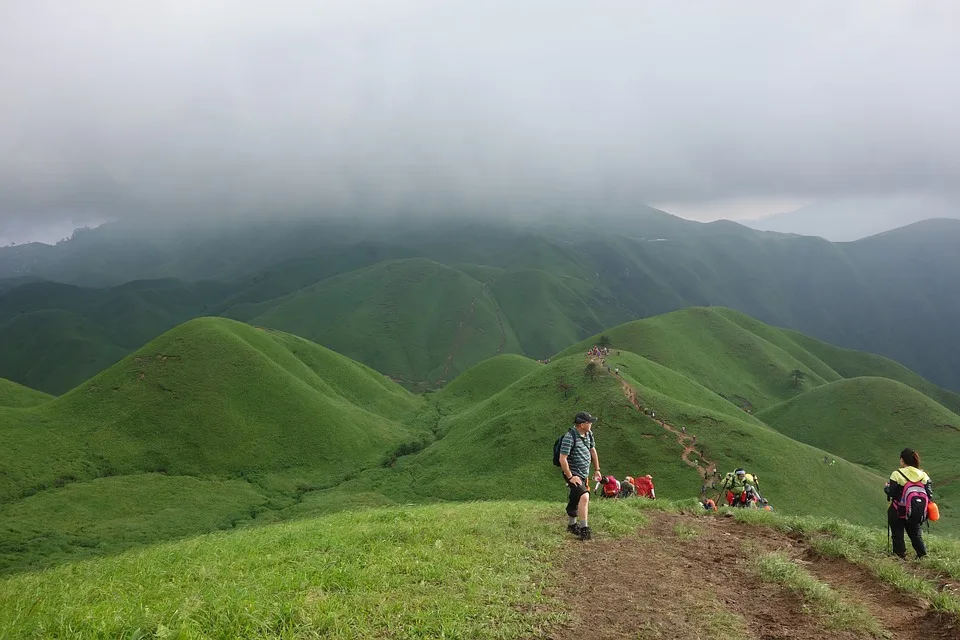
912	505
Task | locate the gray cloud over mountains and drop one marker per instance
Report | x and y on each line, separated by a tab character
114	108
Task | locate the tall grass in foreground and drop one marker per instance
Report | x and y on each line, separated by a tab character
837	612
468	570
868	548
419	572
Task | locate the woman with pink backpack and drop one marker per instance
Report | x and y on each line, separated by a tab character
910	496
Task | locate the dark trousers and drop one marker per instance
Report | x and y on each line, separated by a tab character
897	528
575	492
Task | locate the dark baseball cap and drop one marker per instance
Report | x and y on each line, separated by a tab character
582	417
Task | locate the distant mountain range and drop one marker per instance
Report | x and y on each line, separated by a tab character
424	299
851	219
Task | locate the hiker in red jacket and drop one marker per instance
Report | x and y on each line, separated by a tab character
611	487
644	485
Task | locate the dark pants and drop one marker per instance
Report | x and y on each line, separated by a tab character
576	490
897	528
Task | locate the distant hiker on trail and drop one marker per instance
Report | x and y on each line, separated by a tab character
683	430
910	493
644	485
611	487
825	460
577	451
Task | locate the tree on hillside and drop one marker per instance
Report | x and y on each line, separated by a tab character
563	386
603	341
591	370
797	376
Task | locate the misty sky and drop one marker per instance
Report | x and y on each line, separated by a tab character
114	109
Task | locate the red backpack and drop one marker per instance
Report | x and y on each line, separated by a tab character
913	502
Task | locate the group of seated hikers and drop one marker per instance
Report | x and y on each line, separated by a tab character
641	487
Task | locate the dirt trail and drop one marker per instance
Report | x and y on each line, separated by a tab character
684	576
688	441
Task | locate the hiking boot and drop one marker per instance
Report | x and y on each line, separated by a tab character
584	533
574	528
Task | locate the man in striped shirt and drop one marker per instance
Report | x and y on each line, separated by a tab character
577	451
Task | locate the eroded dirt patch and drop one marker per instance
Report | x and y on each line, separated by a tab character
684	576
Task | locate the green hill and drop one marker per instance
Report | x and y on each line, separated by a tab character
500	570
54	350
869	420
555	278
55	336
746	361
258	415
18	396
546	314
486	379
280	427
212	396
501	445
418	321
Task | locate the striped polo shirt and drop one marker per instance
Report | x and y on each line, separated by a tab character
577	449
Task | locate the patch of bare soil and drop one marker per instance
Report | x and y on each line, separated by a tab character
693	577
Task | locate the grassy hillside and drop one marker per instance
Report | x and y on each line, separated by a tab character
746	361
54	350
418	321
16	395
557	278
213	399
869	420
501	445
853	364
546	314
486	379
284	428
496	570
55	336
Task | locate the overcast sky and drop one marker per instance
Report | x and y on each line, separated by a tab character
113	109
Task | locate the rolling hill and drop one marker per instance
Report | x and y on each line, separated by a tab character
55	336
418	321
18	396
554	278
220	419
217	424
747	362
869	420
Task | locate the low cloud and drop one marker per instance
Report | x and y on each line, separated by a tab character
114	109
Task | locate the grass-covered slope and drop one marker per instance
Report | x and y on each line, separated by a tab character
705	345
486	379
54	350
500	447
417	321
869	420
55	336
546	314
255	417
853	364
16	395
746	361
211	397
